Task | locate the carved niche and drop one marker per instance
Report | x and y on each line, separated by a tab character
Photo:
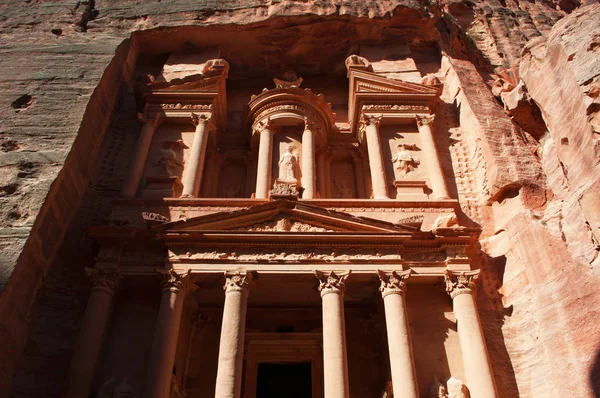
343	179
232	179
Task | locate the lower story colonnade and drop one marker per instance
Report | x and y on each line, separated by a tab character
231	352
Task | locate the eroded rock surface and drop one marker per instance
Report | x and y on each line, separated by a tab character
534	186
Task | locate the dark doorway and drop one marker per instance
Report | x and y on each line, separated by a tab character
290	380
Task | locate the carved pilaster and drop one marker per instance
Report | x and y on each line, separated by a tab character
107	280
237	281
393	282
424	120
331	282
462	282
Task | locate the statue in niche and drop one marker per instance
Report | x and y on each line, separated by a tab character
288	167
168	159
404	162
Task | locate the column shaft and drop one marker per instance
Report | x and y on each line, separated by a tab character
265	155
376	165
480	379
404	377
192	175
335	362
140	156
231	347
434	164
91	335
164	344
308	163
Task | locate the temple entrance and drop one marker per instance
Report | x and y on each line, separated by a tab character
292	380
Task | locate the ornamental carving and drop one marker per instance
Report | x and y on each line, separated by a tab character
284	224
332	282
200	119
424	120
168	159
403	161
179	106
103	279
237	281
154	218
172	281
460	282
149	117
393	282
295	255
285	190
390	107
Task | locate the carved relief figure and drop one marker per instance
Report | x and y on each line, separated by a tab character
288	166
404	162
168	160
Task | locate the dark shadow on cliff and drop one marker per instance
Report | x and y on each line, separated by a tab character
594	376
493	317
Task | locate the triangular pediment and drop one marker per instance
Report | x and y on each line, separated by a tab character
281	217
369	82
197	82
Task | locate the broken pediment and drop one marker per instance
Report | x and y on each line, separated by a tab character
372	93
282	216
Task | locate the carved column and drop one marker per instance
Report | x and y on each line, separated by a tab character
192	175
480	380
265	155
378	179
308	161
164	345
434	164
404	377
91	335
335	362
231	347
140	155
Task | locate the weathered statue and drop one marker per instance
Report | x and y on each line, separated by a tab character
404	162
167	159
288	166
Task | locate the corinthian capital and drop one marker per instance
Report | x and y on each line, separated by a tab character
460	282
199	119
172	281
393	282
149	118
424	120
331	282
370	119
101	279
238	281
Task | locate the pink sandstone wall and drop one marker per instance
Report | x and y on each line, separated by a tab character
65	72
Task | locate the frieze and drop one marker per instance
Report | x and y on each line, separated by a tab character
179	106
393	209
250	254
389	107
154	218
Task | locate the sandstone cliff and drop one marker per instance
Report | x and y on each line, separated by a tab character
67	69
